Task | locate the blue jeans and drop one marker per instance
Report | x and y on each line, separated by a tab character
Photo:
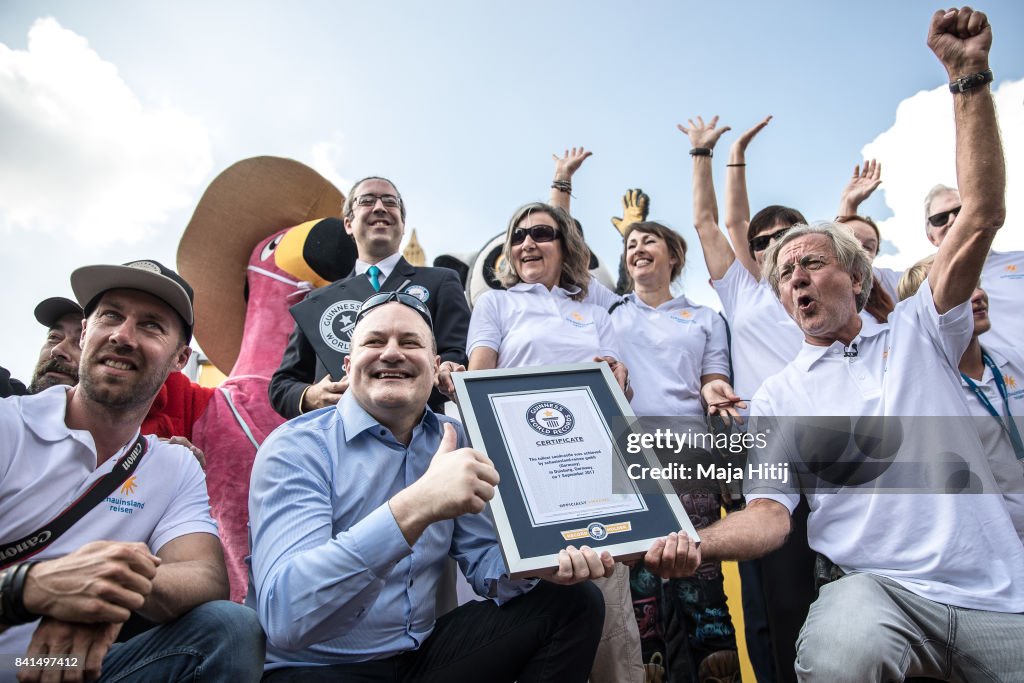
216	642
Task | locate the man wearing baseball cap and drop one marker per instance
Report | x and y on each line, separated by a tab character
97	522
58	358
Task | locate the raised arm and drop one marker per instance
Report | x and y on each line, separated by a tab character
860	187
961	39
565	168
718	254
737	205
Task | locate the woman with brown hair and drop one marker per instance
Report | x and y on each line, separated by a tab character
542	319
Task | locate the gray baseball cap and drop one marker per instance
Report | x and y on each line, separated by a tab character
152	277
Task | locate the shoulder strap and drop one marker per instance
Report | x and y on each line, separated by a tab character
27	546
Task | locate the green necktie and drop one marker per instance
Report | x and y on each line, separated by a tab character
374	272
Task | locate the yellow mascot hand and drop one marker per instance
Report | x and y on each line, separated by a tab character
635	205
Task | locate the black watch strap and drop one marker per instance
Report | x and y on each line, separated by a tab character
965	83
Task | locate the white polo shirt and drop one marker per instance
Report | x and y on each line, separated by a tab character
958	549
667	349
764	337
1003	280
1007	469
529	325
44	466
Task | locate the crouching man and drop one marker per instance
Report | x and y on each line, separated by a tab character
353	510
97	521
914	584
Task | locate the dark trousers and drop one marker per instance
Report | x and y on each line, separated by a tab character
549	634
755	622
788	578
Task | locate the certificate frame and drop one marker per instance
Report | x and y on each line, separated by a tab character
531	534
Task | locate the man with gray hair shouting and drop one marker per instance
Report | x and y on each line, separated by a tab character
927	584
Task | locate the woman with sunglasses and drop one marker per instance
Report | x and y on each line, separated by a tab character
542	319
764	340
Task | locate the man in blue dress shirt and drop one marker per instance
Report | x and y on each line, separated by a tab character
354	508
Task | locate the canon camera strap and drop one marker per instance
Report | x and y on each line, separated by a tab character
23	548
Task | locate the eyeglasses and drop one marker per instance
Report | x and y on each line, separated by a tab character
388	200
808	263
761	243
939	219
381	298
539	233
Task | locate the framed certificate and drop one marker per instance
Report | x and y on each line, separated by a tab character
564	475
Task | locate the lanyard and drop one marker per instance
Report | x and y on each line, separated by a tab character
1011	431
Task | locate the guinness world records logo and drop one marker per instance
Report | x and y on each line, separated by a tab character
550	418
336	324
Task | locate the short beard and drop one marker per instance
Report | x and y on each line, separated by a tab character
130	397
41	381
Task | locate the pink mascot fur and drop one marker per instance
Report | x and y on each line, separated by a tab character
247	271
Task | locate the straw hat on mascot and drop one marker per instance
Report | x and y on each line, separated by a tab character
266	231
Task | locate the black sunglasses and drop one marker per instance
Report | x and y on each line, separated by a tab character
761	243
381	298
939	219
539	233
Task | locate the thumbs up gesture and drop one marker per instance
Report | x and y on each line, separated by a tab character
458	481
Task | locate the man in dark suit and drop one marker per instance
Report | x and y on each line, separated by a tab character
374	215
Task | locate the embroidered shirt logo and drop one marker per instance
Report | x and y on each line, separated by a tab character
684	316
578	320
128	488
1010	272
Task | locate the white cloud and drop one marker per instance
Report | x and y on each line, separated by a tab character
327	158
82	156
918	152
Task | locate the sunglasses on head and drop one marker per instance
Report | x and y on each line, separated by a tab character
538	233
381	298
761	242
939	219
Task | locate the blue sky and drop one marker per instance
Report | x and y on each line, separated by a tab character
116	120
